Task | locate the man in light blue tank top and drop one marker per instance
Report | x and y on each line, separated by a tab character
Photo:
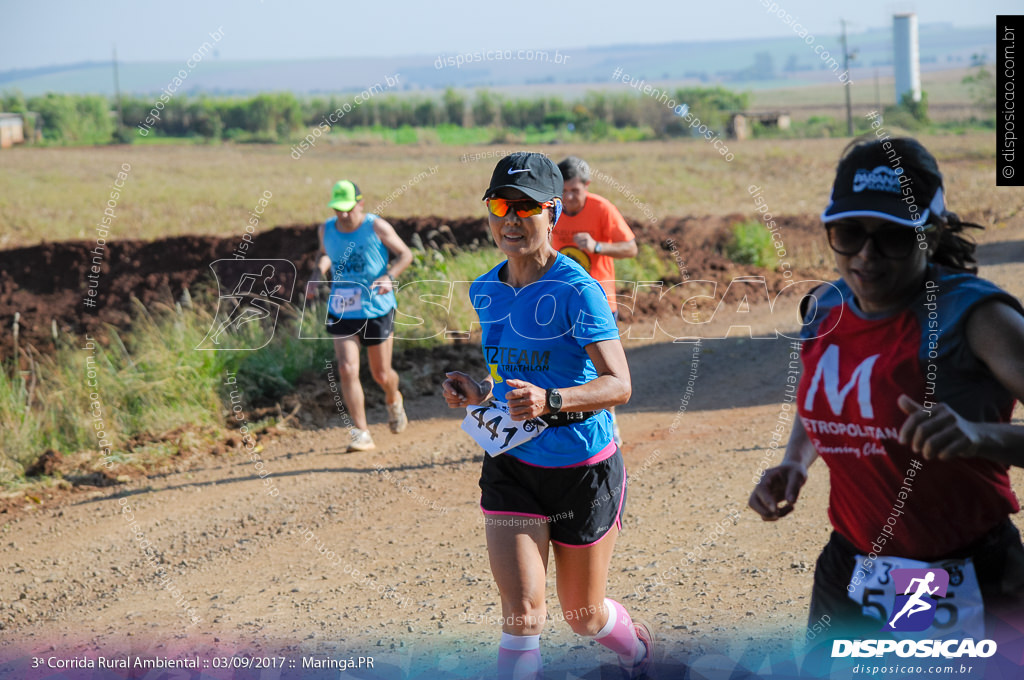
356	248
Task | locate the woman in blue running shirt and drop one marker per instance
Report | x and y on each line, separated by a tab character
551	472
356	252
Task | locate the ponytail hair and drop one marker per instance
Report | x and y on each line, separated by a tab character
953	250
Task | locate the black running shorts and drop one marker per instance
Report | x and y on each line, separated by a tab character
370	331
580	504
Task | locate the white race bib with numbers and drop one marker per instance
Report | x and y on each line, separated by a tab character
493	428
960	614
343	299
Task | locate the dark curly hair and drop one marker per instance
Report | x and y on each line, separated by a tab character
952	249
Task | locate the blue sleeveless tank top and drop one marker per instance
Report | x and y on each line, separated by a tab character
358	258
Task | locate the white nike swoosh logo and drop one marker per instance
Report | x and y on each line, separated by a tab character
512	172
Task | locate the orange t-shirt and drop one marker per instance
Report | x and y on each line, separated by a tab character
602	220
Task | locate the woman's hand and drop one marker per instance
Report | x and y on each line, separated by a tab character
778	484
938	434
383	285
461	391
525	400
775	494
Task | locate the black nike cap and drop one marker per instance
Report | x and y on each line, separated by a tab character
534	174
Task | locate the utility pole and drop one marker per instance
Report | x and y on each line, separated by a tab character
878	96
846	67
117	95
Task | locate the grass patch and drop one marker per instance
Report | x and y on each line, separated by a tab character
150	380
752	244
157	140
650	264
95	397
428	303
455	135
138	387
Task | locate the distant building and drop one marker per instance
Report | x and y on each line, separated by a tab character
739	123
12	130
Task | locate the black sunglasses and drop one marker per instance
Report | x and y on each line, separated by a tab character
895	242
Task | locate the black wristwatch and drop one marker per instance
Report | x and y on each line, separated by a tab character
554	399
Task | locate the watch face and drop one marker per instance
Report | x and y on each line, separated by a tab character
554	400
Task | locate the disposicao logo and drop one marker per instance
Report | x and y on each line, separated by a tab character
914	609
949	649
916	590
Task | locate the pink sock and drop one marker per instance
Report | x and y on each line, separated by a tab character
619	635
519	657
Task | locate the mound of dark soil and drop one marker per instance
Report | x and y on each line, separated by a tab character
47	285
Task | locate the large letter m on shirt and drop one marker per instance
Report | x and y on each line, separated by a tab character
828	370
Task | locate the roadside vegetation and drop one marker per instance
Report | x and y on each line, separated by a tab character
451	118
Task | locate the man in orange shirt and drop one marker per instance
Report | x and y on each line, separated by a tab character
592	231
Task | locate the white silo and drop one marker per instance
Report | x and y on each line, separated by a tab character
906	56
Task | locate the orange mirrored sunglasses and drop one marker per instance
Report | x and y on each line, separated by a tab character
524	207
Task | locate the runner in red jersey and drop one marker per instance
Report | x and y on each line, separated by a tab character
911	366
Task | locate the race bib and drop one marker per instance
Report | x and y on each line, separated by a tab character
343	299
960	614
493	428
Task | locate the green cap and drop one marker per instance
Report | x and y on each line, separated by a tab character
345	196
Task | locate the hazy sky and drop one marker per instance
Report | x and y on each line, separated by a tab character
45	32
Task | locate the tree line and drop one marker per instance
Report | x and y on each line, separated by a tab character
280	117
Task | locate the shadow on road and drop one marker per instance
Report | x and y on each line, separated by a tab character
726	373
1003	252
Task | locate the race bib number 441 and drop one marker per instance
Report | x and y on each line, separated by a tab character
493	428
942	598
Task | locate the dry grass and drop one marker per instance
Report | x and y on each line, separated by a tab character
949	98
59	194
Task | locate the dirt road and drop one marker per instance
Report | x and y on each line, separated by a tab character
382	554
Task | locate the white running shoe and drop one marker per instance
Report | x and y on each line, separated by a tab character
397	420
361	440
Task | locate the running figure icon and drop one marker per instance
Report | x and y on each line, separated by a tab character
247	308
916	602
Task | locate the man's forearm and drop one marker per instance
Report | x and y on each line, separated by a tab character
616	249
